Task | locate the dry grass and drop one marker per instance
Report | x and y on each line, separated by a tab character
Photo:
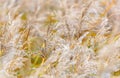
59	39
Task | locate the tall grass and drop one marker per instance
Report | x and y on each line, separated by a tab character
59	39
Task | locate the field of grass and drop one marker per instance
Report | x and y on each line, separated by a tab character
59	38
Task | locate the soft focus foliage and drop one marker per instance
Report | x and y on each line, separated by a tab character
59	39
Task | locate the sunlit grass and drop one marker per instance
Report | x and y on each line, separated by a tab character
59	39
